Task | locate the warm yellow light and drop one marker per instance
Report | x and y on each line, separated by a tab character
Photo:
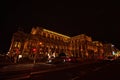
34	31
55	33
19	56
40	43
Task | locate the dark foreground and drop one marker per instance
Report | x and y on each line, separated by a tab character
110	71
96	71
103	70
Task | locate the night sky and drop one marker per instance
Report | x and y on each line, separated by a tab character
68	18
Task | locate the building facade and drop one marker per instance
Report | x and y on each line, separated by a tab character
42	43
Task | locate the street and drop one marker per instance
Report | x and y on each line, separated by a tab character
109	72
90	71
96	71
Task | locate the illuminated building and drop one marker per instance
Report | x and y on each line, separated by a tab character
99	50
42	42
110	50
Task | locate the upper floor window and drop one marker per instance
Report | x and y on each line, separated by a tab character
17	44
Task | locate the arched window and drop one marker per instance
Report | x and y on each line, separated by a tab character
17	44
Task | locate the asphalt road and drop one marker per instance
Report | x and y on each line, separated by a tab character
109	72
72	73
103	70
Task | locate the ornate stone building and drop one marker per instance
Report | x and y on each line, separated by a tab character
43	42
99	50
108	49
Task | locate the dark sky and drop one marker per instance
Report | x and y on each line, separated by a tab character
69	18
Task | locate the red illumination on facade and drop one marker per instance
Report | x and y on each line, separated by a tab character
34	49
17	50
